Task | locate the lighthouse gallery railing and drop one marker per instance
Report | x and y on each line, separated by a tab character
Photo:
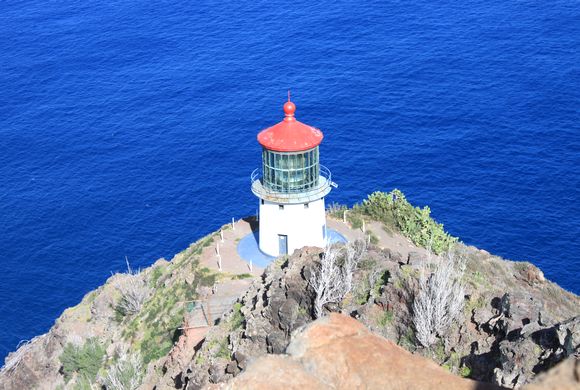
322	189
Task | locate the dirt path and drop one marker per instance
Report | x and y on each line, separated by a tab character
231	262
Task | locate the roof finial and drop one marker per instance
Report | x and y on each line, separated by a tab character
289	109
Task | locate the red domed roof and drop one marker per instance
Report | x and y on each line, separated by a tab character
290	135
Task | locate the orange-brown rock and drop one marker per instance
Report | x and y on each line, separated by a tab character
564	376
338	352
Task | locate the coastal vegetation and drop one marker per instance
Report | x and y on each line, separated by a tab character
396	213
394	210
83	361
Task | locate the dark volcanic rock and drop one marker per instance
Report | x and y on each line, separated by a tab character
535	352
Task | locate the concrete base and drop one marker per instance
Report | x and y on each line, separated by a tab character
249	250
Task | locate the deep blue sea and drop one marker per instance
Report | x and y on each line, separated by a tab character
128	128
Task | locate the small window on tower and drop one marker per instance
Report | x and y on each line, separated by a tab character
305	205
262	201
280	207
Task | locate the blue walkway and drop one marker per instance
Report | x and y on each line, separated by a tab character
249	251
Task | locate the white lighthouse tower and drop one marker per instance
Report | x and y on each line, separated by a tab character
291	186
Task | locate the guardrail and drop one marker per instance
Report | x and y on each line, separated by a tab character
322	189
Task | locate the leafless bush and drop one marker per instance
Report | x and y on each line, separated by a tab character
24	347
134	291
125	374
333	278
440	298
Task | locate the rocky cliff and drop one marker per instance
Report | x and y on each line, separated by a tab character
513	325
338	352
133	331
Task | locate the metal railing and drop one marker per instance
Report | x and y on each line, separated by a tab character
322	189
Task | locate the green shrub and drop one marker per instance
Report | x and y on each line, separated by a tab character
416	223
439	351
85	361
223	351
382	280
465	372
362	295
237	318
243	276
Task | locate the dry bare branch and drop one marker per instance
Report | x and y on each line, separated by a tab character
125	374
440	298
134	291
333	278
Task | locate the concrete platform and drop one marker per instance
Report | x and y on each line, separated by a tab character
249	250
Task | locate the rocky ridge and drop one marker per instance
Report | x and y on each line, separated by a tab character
515	325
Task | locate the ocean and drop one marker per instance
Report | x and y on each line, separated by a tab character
128	128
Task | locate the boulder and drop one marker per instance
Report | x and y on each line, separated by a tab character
415	259
564	376
338	352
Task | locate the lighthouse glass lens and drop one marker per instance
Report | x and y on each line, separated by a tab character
290	172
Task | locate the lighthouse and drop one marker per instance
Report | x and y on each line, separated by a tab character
291	186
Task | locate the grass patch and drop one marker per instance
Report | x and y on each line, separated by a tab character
354	219
280	261
439	351
336	210
385	318
219	348
156	274
155	346
237	319
243	276
207	277
154	330
199	359
474	303
367	264
372	237
407	340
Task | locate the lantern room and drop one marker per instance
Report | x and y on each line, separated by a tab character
291	186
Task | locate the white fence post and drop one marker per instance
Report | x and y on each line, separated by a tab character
222	234
344	216
233	224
